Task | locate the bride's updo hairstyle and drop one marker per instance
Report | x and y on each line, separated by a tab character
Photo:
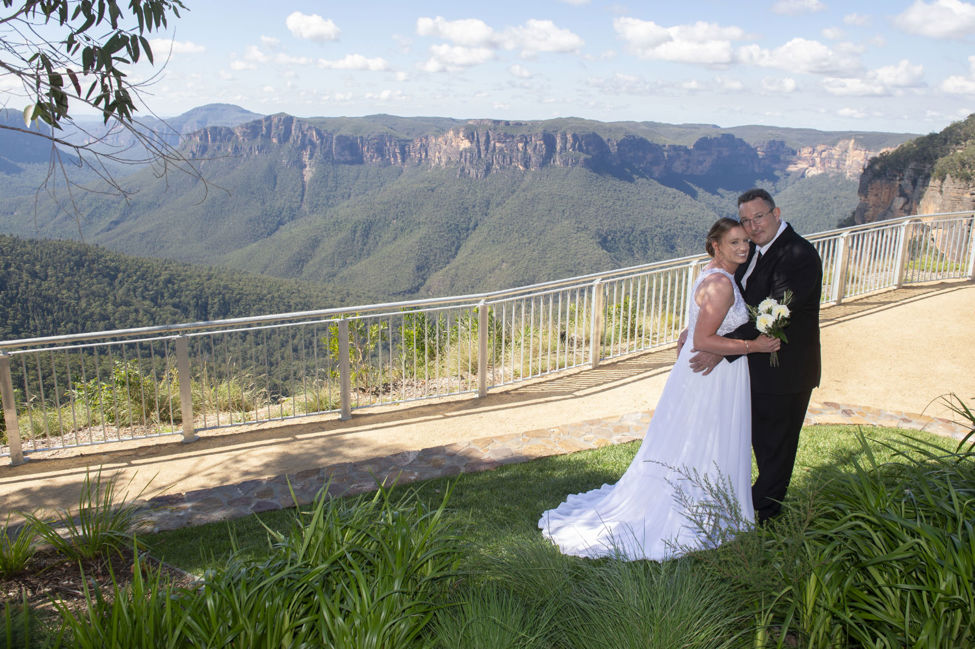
717	231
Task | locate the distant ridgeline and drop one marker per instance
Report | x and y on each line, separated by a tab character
928	175
399	207
63	287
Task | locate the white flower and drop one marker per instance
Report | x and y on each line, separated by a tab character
780	311
766	305
764	322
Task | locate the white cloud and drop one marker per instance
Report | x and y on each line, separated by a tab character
855	87
450	58
286	59
541	36
956	85
355	62
730	84
253	54
520	71
783	85
902	75
531	38
386	95
800	55
402	76
706	43
270	42
938	19
162	46
833	33
851	112
959	85
469	32
793	7
312	27
885	81
858	20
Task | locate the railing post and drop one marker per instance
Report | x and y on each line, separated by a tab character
596	324
185	388
971	250
482	348
841	260
688	294
900	265
345	371
10	411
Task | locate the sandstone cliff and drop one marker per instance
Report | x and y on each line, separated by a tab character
481	147
928	175
947	195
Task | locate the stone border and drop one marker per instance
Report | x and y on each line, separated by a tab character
254	496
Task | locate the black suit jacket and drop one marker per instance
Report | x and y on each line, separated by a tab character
790	264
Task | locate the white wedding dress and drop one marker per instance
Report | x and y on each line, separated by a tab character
700	433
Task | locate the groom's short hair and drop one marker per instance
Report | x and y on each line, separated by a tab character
757	192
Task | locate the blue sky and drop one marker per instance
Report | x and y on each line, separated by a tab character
896	65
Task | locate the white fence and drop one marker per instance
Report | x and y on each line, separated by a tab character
111	386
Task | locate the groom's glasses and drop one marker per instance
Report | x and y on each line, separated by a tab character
758	218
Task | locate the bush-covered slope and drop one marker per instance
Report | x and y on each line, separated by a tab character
61	287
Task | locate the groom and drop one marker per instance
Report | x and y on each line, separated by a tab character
780	260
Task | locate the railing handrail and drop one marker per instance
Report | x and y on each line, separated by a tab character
453	300
120	384
337	312
825	234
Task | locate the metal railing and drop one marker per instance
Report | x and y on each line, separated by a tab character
93	388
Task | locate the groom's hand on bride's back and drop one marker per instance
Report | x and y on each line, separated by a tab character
704	362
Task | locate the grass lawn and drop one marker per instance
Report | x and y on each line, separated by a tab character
875	548
499	509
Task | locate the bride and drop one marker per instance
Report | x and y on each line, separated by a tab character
700	435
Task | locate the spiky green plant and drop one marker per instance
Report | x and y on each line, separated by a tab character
17	546
102	523
889	557
22	628
147	613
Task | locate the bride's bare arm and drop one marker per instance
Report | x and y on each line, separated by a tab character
714	296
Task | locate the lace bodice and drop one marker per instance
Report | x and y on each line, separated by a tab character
737	315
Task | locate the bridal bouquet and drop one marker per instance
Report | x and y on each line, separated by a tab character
771	318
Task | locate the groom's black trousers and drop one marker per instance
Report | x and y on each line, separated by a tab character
776	422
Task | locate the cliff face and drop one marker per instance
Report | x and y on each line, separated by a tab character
888	194
948	195
481	147
911	191
844	158
927	175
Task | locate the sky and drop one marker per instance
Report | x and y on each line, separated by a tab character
894	65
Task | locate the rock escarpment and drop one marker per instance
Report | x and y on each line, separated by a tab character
481	147
928	175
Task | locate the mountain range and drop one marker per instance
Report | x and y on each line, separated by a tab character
398	206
